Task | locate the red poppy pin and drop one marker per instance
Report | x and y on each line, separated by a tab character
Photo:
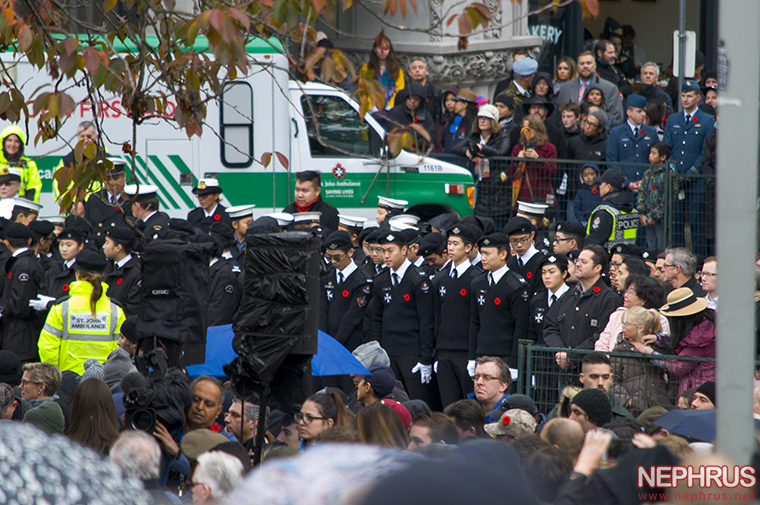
217	217
345	293
215	428
407	298
416	119
643	132
529	275
596	289
463	292
65	287
119	281
695	119
497	301
506	420
595	191
652	186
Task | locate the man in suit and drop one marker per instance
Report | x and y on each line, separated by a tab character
527	259
402	317
145	208
105	208
686	131
573	91
630	142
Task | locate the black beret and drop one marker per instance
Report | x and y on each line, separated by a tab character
338	240
374	237
121	234
391	237
650	254
431	244
410	235
71	233
91	261
571	228
223	230
555	259
626	250
17	231
365	233
573	255
494	240
41	228
264	225
129	329
181	226
468	233
73	221
518	225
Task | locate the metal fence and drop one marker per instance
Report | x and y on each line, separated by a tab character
682	207
639	381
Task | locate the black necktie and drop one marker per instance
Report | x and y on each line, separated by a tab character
340	277
454	274
395	279
490	279
553	299
520	262
688	118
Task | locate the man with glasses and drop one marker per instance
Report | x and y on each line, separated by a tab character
526	260
491	382
568	237
709	278
679	271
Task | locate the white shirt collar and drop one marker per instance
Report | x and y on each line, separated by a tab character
19	251
123	262
71	262
348	270
632	126
692	113
145	219
419	261
520	88
560	291
498	274
209	214
712	303
213	261
227	255
476	260
532	251
401	270
461	269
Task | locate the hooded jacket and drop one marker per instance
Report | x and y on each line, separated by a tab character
601	222
402	116
31	184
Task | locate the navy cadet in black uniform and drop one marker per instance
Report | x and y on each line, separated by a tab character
527	259
241	217
21	280
354	226
224	291
123	271
145	208
105	208
452	287
553	276
499	306
402	317
226	236
42	238
536	214
61	274
376	263
211	211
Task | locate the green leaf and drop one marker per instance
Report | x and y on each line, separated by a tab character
91	151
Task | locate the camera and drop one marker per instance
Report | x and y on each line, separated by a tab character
140	419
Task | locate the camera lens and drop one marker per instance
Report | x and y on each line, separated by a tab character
142	420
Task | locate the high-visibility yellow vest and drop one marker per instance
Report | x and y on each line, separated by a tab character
30	175
624	225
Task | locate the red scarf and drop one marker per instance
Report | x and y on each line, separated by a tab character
305	208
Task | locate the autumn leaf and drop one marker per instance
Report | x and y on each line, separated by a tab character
108	5
462	43
590	8
25	38
71	44
319	5
282	159
465	25
451	19
91	60
266	158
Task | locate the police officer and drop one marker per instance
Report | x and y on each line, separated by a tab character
61	275
86	323
453	294
241	216
402	316
145	207
630	142
499	304
210	211
123	271
527	259
614	221
22	279
225	234
105	208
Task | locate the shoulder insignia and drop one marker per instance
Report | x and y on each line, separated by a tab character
425	287
230	288
366	289
158	227
595	224
525	295
23	277
361	301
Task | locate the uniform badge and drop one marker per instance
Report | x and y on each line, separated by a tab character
329	294
366	289
442	291
201	185
425	287
387	298
23	277
525	295
361	301
486	241
158	227
596	223
481	300
230	288
539	317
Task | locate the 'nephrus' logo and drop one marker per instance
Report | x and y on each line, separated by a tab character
700	477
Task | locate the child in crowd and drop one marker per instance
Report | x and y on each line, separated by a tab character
588	197
570	114
651	199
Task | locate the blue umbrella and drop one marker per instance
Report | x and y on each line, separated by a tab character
332	358
695	424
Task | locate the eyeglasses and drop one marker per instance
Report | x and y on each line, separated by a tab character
307	418
25	382
709	274
518	241
486	378
562	239
627	323
337	258
378	250
668	266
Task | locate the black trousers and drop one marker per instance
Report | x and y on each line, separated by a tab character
402	368
454	383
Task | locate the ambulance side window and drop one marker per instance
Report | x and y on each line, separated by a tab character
336	130
236	125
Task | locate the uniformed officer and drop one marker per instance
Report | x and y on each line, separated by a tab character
434	249
61	274
686	132
284	220
210	211
553	275
225	291
499	304
536	214
123	271
353	226
568	237
453	294
226	236
10	182
376	259
614	221
42	240
105	208
527	259
387	208
630	142
241	216
86	323
402	317
145	207
21	281
302	221
24	211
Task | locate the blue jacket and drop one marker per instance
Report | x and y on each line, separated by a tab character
471	396
586	200
688	140
622	145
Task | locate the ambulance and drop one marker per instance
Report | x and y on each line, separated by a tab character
263	112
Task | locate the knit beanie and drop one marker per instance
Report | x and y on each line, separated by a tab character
48	417
601	116
708	389
92	369
595	404
117	366
10	368
370	353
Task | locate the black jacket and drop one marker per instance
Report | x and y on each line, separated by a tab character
497	145
530	271
23	276
402	316
102	215
600	231
342	307
57	280
400	116
124	285
612	74
329	218
453	305
224	294
498	316
197	218
433	101
157	222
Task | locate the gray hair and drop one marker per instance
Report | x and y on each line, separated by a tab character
137	454
651	64
220	471
682	257
251	410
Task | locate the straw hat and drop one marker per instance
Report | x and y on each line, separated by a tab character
682	302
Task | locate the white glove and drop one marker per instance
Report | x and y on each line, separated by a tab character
435	367
471	367
426	372
41	303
